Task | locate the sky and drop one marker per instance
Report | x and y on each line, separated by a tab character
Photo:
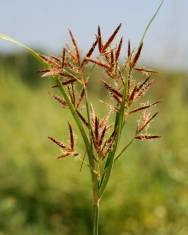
45	23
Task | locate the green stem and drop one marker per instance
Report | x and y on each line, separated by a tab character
96	217
119	122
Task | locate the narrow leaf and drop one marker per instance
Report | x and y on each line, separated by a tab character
12	40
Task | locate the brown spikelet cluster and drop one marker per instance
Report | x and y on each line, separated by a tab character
71	69
100	134
66	150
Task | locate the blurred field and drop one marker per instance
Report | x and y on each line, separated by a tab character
147	195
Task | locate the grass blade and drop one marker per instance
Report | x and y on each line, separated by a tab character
20	44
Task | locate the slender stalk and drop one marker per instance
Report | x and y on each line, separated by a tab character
125	148
96	215
151	20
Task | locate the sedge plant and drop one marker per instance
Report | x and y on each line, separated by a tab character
101	136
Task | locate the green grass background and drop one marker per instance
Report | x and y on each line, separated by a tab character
39	195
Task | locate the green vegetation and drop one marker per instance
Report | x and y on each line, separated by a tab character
41	195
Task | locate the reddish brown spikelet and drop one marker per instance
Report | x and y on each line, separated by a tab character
68	75
141	128
98	62
71	93
144	107
43	70
99	38
107	55
111	137
102	136
71	136
110	141
56	58
60	100
131	96
96	129
129	49
116	94
111	38
147	137
93	115
64	155
137	55
52	72
138	90
82	118
70	81
55	86
71	55
63	58
59	143
66	82
89	53
75	46
145	70
104	120
128	85
49	60
145	85
119	49
108	144
112	59
80	98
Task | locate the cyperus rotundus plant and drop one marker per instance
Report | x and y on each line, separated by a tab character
71	73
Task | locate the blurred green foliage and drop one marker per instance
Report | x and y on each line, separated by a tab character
148	193
24	65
